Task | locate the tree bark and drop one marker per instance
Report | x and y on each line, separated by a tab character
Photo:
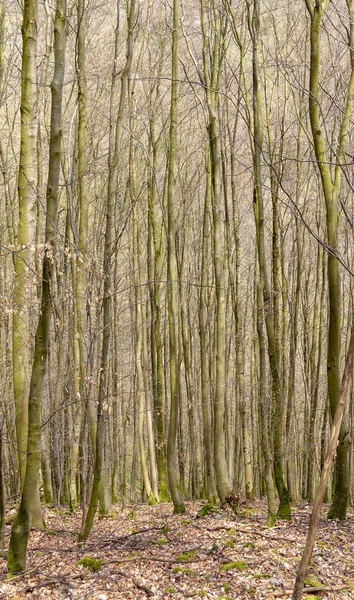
284	510
21	527
107	268
27	187
331	186
172	274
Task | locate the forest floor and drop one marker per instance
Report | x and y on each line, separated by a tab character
147	552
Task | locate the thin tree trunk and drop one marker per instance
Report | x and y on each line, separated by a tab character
2	487
149	409
326	471
155	269
315	364
203	318
83	233
172	274
140	383
264	411
212	59
284	510
107	268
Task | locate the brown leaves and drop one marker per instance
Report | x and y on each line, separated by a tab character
140	549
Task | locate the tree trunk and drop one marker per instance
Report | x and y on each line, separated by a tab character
21	527
27	185
107	268
2	487
331	186
284	510
203	319
172	274
212	59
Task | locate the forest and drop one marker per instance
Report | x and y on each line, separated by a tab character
176	282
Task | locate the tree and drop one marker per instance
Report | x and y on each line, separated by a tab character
331	186
212	59
113	159
335	433
21	526
27	185
209	477
155	248
81	250
284	510
172	274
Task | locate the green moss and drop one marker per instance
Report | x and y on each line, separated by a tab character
225	598
184	570
205	509
240	565
311	581
249	511
202	593
170	589
185	522
323	544
134	554
249	545
230	531
131	514
51	532
90	563
284	508
351	584
230	543
164	530
311	597
226	587
185	556
261	575
162	541
178	509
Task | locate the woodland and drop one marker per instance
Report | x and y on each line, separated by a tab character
176	297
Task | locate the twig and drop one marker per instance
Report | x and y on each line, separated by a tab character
29	588
151	558
30	571
306	590
138	585
117	540
253	532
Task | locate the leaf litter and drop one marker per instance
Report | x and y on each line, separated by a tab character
142	552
